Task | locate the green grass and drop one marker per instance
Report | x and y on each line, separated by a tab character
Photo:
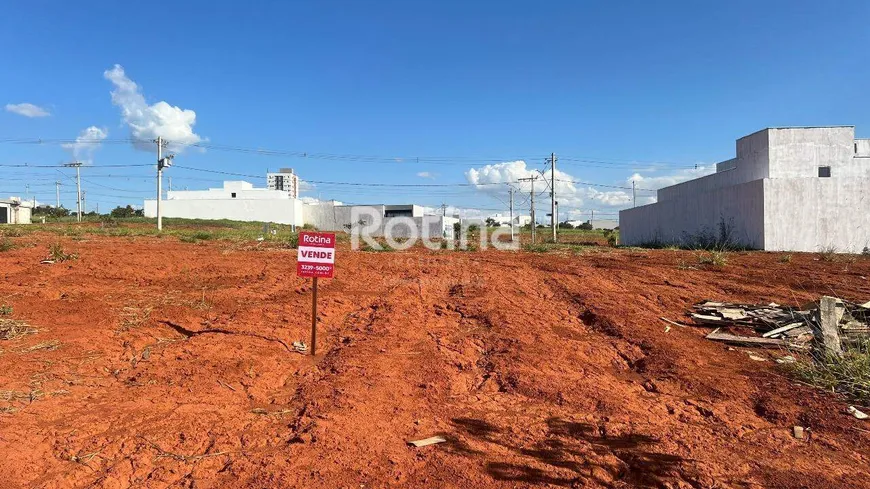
848	375
5	310
536	248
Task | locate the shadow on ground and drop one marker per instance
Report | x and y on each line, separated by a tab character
569	454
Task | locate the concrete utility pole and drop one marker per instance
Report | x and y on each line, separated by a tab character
443	209
161	164
512	213
78	166
633	194
84	208
57	191
553	194
532	199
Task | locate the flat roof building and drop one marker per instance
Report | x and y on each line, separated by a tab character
787	189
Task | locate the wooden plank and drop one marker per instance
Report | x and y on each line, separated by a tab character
427	441
746	340
783	329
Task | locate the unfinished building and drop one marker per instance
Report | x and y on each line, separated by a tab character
788	189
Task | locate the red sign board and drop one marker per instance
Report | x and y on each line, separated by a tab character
316	255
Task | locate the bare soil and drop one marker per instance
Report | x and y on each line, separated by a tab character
159	363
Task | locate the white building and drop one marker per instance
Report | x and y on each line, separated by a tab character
285	179
519	220
334	216
238	201
15	211
788	189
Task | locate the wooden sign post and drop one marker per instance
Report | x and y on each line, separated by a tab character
315	258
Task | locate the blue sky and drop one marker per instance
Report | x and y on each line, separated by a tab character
613	88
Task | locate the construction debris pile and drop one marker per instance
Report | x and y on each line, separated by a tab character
832	321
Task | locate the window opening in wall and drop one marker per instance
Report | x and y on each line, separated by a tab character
824	172
233	195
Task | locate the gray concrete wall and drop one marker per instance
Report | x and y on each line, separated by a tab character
329	217
678	220
799	152
862	148
752	163
811	214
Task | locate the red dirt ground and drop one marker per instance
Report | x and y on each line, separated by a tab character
540	369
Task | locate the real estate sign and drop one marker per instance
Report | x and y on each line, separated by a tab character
316	256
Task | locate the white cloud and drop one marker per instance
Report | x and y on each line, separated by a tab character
87	143
573	196
147	122
27	110
657	182
426	174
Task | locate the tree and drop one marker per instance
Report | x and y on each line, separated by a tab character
566	225
50	211
128	211
491	223
586	226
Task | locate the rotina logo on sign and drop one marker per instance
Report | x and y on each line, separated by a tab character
316	255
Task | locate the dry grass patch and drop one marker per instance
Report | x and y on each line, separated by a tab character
45	345
11	329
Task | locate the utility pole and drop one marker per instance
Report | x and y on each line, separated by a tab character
84	209
633	194
591	219
443	209
57	191
161	164
78	166
512	213
532	199
170	184
553	194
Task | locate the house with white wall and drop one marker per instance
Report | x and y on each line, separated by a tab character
787	189
236	200
15	211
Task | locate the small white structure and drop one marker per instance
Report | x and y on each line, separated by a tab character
519	220
15	211
788	189
284	179
238	201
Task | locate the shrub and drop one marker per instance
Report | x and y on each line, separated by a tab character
612	240
713	258
848	375
828	253
293	241
5	310
202	235
785	258
6	244
57	253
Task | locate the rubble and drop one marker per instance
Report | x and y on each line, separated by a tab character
784	326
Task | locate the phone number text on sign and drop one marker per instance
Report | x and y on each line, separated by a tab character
316	255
